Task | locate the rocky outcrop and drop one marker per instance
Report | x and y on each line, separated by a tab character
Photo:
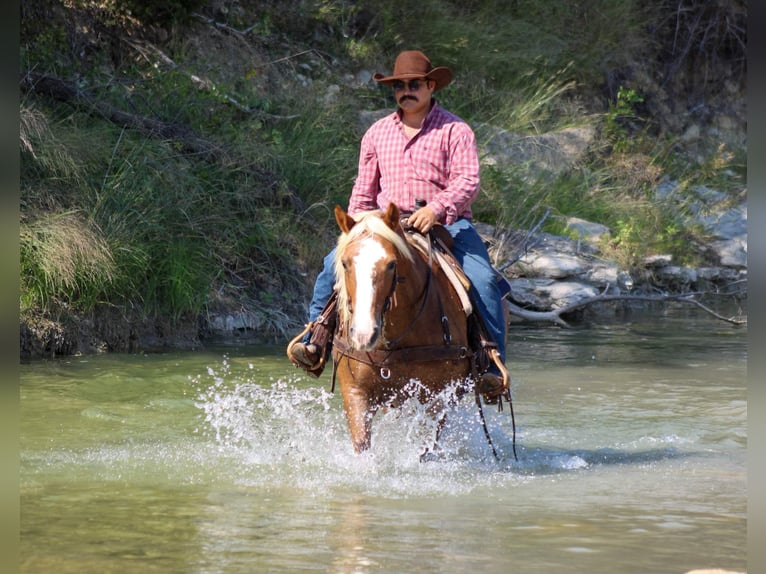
548	271
538	155
551	271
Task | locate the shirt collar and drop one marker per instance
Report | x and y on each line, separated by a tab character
431	111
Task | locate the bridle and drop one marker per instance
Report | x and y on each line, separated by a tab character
391	298
387	355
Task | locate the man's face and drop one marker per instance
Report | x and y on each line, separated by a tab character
413	95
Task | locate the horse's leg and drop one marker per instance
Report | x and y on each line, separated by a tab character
429	454
359	414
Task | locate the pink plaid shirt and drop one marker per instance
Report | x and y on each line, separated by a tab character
439	164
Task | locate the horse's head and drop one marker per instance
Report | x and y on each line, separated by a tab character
368	259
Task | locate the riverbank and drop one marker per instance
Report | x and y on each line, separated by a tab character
547	272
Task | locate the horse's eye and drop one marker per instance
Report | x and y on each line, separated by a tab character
391	266
345	265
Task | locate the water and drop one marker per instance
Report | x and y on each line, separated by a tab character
631	445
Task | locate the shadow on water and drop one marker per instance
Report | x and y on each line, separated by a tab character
545	461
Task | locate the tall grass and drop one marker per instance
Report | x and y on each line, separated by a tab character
154	228
64	260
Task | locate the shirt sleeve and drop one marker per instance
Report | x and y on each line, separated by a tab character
367	184
463	180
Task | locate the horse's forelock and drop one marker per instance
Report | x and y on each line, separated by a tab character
367	223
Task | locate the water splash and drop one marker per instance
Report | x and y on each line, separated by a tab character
281	431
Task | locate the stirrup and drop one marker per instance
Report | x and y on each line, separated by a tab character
313	370
496	397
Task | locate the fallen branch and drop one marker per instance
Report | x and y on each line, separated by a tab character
67	92
554	315
188	140
223	26
146	50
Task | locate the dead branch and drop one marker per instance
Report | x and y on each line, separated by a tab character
66	92
188	140
223	26
526	244
554	315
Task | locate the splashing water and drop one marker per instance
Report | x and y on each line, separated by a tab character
283	433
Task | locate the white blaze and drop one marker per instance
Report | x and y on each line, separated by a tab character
364	323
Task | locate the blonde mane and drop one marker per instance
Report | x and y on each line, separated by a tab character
367	223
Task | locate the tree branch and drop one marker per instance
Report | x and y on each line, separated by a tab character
525	245
554	315
189	141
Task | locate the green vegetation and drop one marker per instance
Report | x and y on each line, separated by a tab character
259	107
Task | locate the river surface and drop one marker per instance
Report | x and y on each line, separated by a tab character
631	443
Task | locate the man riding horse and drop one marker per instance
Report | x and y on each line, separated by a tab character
420	152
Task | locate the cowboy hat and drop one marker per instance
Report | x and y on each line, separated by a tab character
413	64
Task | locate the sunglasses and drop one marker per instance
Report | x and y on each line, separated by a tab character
412	85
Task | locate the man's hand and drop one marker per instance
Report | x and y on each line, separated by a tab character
423	219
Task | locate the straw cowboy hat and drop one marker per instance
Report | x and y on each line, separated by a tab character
415	64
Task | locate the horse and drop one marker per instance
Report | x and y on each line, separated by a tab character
400	319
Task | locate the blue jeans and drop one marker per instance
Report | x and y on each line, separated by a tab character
471	253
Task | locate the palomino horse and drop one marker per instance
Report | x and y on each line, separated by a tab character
400	320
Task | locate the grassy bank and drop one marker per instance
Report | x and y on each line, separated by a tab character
191	154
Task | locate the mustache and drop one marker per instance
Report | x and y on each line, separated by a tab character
407	97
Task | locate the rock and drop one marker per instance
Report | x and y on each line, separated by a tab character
331	95
657	261
586	230
726	224
607	273
730	230
550	272
691	134
235	322
675	277
539	155
556	266
363	78
731	253
545	294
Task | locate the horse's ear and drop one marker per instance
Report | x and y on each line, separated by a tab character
345	221
392	216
